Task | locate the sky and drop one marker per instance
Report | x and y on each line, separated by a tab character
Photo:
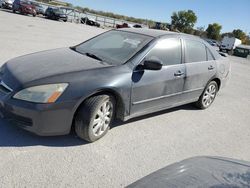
231	14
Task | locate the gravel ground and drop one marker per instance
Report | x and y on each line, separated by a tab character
130	150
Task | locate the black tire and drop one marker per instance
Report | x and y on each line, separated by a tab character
201	102
88	112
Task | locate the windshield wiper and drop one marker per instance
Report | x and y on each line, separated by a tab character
93	56
72	48
87	53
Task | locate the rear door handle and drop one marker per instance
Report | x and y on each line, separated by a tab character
178	73
211	67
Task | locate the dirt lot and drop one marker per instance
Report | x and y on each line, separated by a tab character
133	149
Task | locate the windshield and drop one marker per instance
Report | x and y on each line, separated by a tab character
114	47
26	3
57	10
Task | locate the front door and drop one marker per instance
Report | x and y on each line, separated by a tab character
157	89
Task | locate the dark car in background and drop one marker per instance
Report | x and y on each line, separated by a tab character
89	21
242	51
197	172
6	4
24	7
137	26
124	25
120	74
55	14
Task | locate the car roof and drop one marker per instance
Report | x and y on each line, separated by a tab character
150	32
161	33
158	33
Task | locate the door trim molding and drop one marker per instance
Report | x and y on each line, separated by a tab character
165	96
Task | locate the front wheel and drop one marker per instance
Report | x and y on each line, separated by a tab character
94	117
208	95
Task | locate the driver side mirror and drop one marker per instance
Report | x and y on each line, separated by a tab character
152	64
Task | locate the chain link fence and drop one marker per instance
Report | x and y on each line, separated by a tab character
75	16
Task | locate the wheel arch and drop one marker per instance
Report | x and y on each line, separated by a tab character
218	81
120	106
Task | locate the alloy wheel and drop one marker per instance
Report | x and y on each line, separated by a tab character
102	118
209	95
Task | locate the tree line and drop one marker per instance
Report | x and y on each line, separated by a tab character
181	21
184	21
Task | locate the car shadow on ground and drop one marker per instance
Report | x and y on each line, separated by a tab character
12	136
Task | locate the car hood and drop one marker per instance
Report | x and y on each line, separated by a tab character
199	172
36	66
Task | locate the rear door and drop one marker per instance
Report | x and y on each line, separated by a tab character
152	90
200	68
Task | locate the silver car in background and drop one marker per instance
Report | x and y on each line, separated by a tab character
7	4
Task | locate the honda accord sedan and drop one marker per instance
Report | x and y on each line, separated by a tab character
119	74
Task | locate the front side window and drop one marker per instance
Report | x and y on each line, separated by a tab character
168	51
114	47
195	51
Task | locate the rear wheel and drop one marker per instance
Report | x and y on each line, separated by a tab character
208	95
94	117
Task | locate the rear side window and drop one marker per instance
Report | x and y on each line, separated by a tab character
168	51
209	55
195	51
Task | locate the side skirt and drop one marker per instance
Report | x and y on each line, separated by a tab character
152	110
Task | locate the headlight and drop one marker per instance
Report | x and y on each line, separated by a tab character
42	94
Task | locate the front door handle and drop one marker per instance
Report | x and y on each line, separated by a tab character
178	73
211	67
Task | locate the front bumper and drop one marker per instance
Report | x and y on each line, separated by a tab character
41	119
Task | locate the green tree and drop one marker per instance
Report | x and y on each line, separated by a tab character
184	20
238	33
213	31
69	5
247	40
200	31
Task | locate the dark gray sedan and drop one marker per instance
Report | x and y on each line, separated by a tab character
118	74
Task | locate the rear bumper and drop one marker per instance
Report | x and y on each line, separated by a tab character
63	18
40	119
225	80
27	11
58	17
